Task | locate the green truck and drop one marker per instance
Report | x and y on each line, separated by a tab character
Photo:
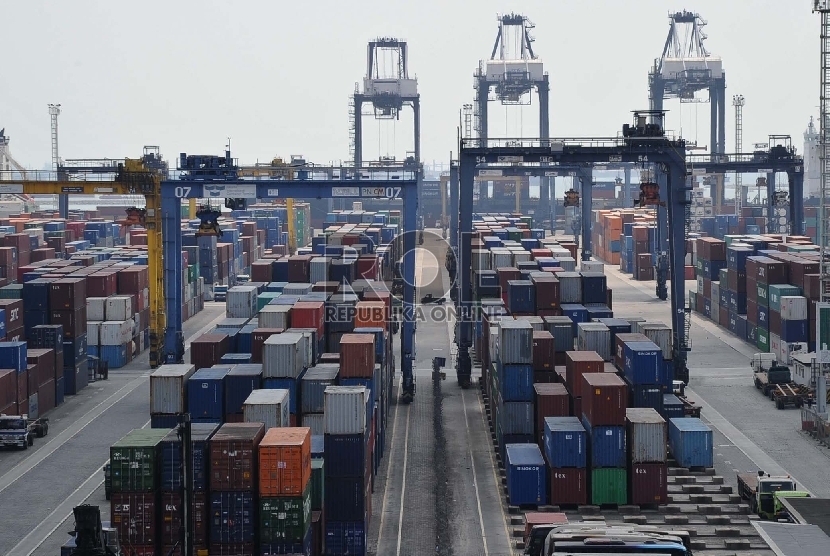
763	492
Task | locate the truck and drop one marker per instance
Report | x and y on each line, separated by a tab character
761	490
220	293
20	431
767	378
91	535
789	394
599	538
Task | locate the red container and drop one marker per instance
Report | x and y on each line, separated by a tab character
44	362
262	271
549	400
133	515
258	338
8	387
711	249
330	287
604	399
102	284
367	267
544	353
543	518
73	321
298	268
576	406
568	486
308	314
236	549
46	397
133	279
171	518
545	377
801	268
357	356
43	254
23	386
233	456
506	274
8	256
577	363
547	292
648	483
14	313
812	287
207	350
619	348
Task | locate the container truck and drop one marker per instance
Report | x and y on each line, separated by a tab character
767	378
761	490
20	431
598	538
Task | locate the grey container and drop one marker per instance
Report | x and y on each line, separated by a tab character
319	269
345	409
516	417
648	436
570	287
660	334
480	259
283	355
568	264
562	329
269	406
241	302
297	288
501	258
594	336
168	388
515	342
313	387
634	322
538	323
274	316
316	422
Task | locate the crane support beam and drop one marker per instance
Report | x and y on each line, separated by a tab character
546	155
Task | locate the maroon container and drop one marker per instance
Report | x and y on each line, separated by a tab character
325	287
578	363
357	356
133	280
723	316
506	274
812	286
74	322
8	256
133	515
67	294
544	354
619	346
801	268
547	291
14	313
102	284
207	350
262	271
258	338
576	406
32	379
46	397
774	321
233	456
648	483
711	249
545	377
44	362
235	549
549	400
298	268
765	270
23	386
751	312
568	486
736	279
8	387
604	399
171	518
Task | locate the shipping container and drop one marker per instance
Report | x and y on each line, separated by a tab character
577	364
275	316
515	342
346	498
133	515
568	486
284	520
596	337
643	363
285	462
566	442
267	406
345	455
168	388
346	409
526	475
516	382
570	287
606	445
171	473
357	356
135	460
283	355
690	442
648	484
544	354
516	418
609	486
171	514
239	383
549	400
208	349
232	517
346	537
604	399
313	386
647	436
206	393
242	302
233	458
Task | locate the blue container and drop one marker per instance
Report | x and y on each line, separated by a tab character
521	296
59	390
232	517
75	378
763	316
74	350
736	257
164	420
643	362
566	442
594	288
345	455
794	330
740	329
206	393
243	340
276	287
751	333
346	537
607	445
516	382
737	302
345	497
690	442
171	458
667	379
646	395
236	359
13	356
36	295
114	356
239	383
526	475
232	334
280	271
290	384
31	319
577	313
318	446
49	336
723	297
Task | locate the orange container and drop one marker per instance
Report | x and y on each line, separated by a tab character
370	314
285	461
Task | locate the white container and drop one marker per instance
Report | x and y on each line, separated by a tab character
648	436
660	334
345	409
570	287
715	294
283	355
567	263
116	333
93	332
319	270
119	307
501	258
520	257
241	302
168	388
316	422
480	259
593	266
269	406
274	316
538	323
297	289
95	308
594	336
515	342
787	350
775	346
793	307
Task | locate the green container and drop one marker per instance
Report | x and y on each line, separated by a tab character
12	291
730	239
723	276
515	234
776	291
265	298
762	336
285	519
317	484
527	220
763	294
609	486
134	460
192	273
699	267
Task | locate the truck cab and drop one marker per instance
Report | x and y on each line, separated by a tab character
19	431
762	489
220	293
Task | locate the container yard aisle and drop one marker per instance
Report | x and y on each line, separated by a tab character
39	487
750	433
439	495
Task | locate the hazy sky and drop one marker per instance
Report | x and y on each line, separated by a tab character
275	76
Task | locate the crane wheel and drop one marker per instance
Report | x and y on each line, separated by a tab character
407	397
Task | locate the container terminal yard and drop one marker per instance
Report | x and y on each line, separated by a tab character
214	357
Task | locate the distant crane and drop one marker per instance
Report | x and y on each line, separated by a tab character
823	8
738	102
8	165
63	200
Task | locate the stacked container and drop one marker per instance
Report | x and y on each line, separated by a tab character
284	360
168	394
526	475
312	395
577	364
206	394
566	452
604	404
234	488
514	384
647	457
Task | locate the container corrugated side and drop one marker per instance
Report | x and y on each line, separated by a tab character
690	441
316	422
515	342
274	316
345	409
526	475
794	308
647	436
241	302
313	387
570	287
609	486
660	334
607	445
168	388
283	355
594	336
516	417
565	442
269	407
